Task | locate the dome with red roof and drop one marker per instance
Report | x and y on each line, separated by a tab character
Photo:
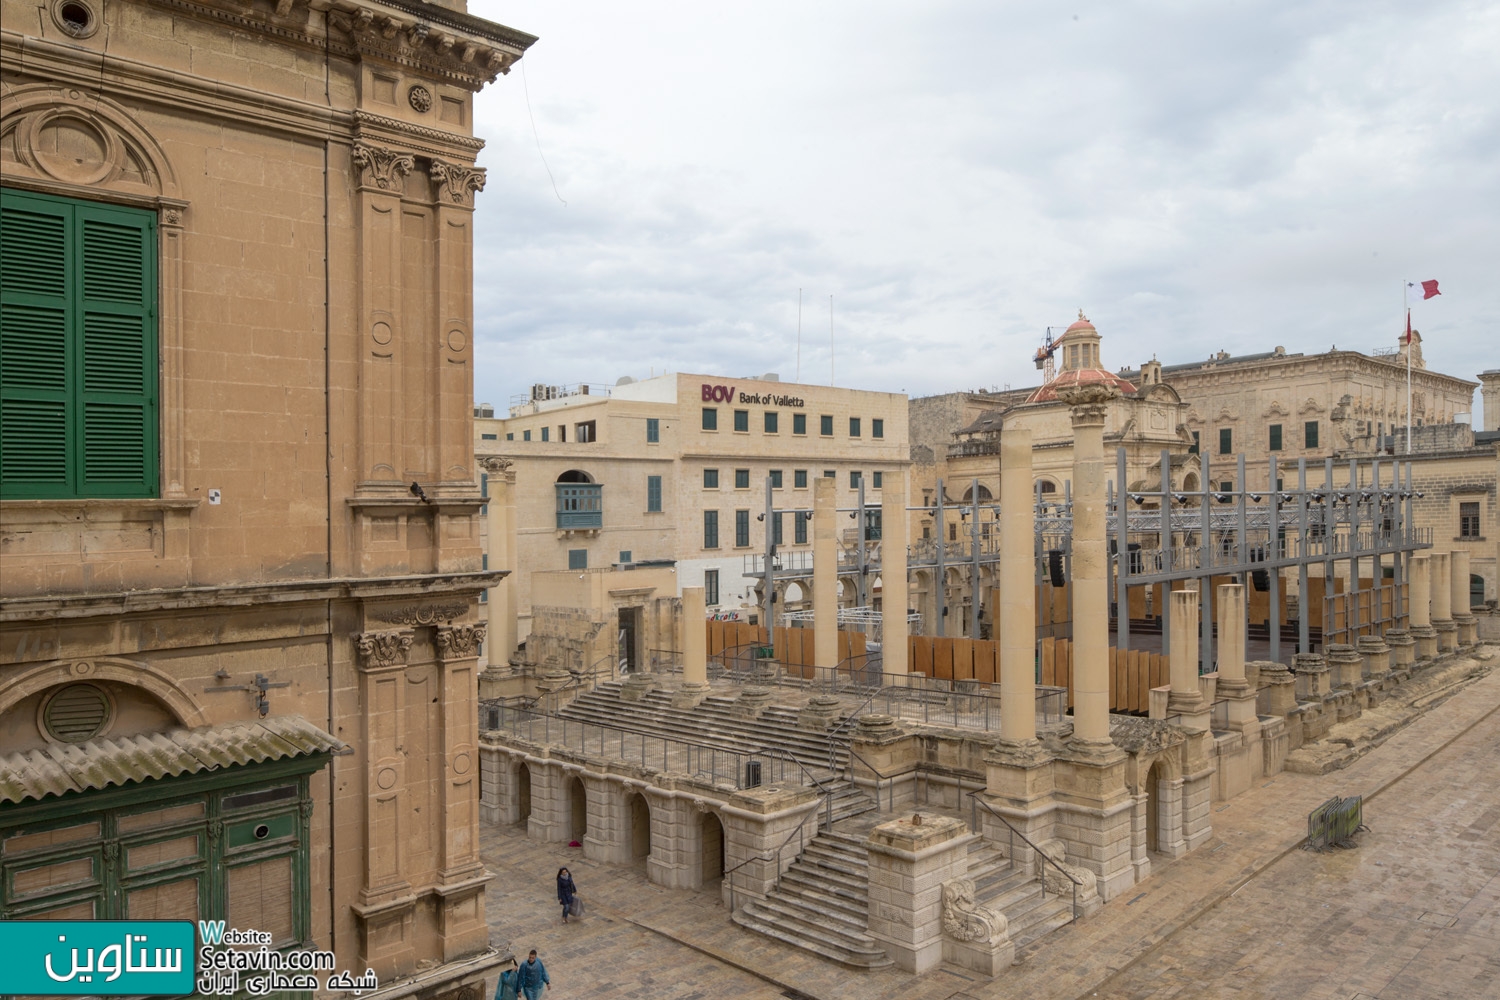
1078	351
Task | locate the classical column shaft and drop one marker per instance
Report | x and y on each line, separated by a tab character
1419	579
1441	587
895	597
825	574
1231	636
1090	580
500	641
694	638
1458	588
1017	589
1185	698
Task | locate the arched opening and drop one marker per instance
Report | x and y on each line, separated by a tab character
1153	806
713	847
1476	590
1190	483
575	476
984	494
1046	486
578	810
640	829
523	794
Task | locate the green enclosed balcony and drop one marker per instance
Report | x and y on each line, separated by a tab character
580	506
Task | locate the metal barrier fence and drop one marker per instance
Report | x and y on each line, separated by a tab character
1335	822
714	764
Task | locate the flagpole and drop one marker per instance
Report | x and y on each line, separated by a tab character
1406	302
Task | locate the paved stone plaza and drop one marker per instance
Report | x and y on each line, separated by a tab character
1414	912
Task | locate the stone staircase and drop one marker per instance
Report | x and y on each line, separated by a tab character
822	904
1017	894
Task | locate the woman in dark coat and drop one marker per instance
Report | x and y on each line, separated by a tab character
566	890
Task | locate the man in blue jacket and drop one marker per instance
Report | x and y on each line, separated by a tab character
534	976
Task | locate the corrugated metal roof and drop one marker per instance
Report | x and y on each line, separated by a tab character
101	763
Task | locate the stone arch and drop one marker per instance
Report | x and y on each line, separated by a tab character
712	845
984	494
795	592
103	146
1047	485
523	793
575	476
142	675
577	798
639	811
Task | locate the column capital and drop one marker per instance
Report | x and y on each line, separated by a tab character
382	650
381	167
1089	402
456	183
457	642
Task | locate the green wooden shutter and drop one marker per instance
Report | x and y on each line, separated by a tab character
78	413
34	345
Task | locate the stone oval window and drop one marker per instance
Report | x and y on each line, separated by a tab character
77	17
76	713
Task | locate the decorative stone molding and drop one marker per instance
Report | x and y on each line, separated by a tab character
495	464
1062	882
964	919
456	183
382	167
459	641
450	44
422	614
420	99
383	649
1088	401
110	148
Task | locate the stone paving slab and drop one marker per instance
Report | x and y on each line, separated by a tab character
1206	925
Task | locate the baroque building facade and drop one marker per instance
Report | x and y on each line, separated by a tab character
239	514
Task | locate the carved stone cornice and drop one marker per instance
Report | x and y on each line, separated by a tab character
457	642
456	183
422	614
459	47
381	167
380	130
383	649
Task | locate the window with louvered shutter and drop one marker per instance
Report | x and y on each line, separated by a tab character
78	346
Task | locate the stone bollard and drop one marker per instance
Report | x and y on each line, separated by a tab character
1403	648
1277	694
910	859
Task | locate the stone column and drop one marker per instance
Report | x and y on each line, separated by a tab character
1186	699
1441	583
1239	696
500	642
895	595
1376	657
1090	580
825	575
1419	575
910	859
1313	682
1468	625
1345	672
1017	611
694	646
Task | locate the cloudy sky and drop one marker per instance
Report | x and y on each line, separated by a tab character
958	176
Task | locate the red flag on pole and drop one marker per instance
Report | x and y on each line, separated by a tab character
1420	291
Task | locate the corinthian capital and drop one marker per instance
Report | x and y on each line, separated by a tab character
456	183
459	641
383	649
382	167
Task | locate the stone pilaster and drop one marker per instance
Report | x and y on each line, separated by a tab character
910	859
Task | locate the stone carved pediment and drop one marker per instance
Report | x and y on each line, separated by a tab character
1310	405
1276	409
81	138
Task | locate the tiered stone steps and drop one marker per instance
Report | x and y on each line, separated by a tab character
822	904
1017	894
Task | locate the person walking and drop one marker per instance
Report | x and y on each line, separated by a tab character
532	976
509	986
566	890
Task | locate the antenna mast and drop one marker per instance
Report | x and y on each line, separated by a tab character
830	340
799	336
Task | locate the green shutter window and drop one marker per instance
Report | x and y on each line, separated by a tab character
78	382
1275	442
653	497
653	430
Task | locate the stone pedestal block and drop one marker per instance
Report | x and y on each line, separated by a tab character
1019	784
1093	816
1277	694
820	714
752	701
910	859
636	687
690	694
1468	630
1403	647
1447	634
1313	682
1345	666
1376	656
1426	638
1273	745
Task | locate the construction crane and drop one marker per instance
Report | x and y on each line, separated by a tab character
1044	356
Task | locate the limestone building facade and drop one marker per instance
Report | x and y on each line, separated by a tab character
674	469
238	502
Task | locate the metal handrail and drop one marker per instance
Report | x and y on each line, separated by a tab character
890	781
801	826
781	752
975	801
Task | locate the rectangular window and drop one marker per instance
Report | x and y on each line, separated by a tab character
854	427
776	528
1193	449
78	384
879	479
1226	441
799	423
741	528
484	484
653	494
585	432
872	524
770	417
710	418
578	559
653	430
1468	520
799	479
799	528
489	437
854	479
711	587
562	433
830	473
1226	486
546	431
825	425
710	479
1275	442
742	420
742	479
710	529
511	436
877	427
1310	434
625	556
775	479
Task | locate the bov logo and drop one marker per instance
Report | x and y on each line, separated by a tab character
98	957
